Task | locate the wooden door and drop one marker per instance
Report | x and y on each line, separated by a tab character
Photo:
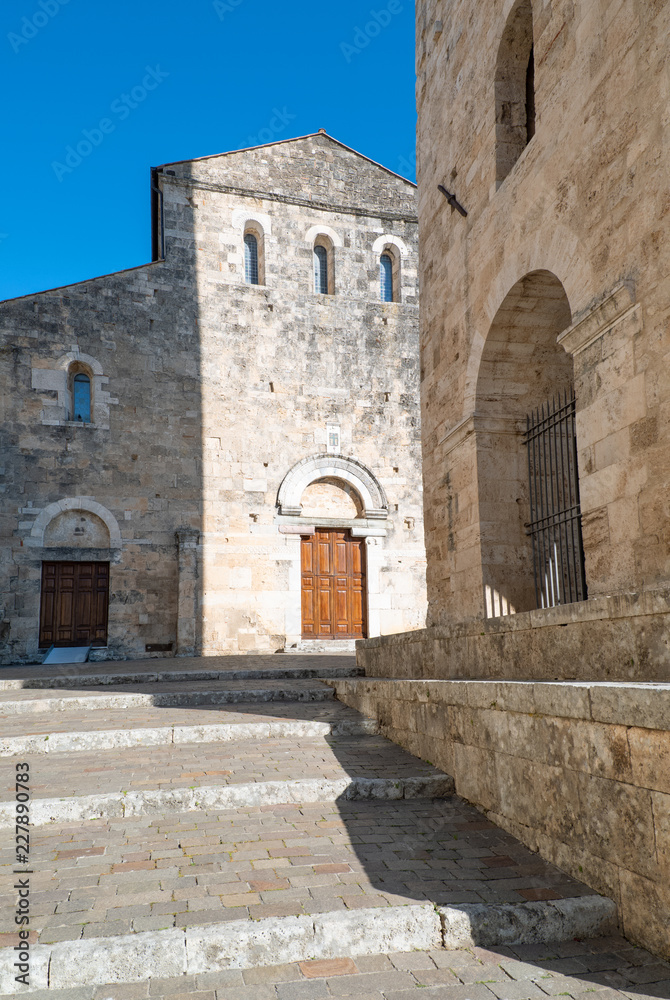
333	585
74	604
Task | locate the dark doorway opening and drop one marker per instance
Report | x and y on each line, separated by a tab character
74	604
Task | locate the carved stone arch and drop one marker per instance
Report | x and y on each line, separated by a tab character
316	231
242	218
76	357
54	510
387	241
309	470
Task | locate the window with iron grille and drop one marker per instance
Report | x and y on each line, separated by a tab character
386	277
555	511
250	259
321	270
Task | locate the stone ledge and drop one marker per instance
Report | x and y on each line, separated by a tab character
639	705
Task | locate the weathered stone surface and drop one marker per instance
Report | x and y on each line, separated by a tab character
208	392
567	768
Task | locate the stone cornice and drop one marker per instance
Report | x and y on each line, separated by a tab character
598	321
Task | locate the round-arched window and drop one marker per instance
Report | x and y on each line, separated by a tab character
386	277
250	259
321	270
81	398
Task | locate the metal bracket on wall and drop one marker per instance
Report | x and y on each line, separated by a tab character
451	198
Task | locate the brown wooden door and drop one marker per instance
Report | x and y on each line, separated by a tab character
74	605
333	585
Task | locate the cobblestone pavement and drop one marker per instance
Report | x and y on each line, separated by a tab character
265	872
603	969
194	765
188	666
88	720
124	876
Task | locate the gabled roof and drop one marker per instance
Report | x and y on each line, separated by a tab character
281	142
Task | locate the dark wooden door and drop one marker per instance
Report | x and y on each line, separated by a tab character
75	603
333	585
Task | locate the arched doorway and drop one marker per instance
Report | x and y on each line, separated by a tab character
335	505
522	370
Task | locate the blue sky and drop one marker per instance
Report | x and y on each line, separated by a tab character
173	81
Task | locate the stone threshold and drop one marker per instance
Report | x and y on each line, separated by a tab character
154	802
245	944
114	739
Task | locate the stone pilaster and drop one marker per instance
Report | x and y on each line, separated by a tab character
188	540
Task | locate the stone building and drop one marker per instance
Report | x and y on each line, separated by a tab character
545	354
220	451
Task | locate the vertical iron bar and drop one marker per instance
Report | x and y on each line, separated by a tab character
532	479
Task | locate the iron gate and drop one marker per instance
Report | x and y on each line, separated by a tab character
555	513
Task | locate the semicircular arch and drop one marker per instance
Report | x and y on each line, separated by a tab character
310	470
71	504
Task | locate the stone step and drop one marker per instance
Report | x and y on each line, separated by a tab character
146	780
167	695
265	886
73	676
88	730
272	941
604	966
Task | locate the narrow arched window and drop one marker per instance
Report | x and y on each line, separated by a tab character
321	270
530	97
515	88
81	398
386	277
250	259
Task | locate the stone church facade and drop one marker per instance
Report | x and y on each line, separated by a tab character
542	683
219	452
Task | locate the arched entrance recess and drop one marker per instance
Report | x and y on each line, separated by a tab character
335	509
521	367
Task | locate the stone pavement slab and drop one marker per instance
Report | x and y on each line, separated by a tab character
179	870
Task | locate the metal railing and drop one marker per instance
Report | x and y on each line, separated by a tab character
555	513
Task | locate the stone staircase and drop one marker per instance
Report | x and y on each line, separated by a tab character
195	822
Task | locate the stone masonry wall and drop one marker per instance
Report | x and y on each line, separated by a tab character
208	391
579	772
586	203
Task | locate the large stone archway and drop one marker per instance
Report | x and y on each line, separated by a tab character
521	366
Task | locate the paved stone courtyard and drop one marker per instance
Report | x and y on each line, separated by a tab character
337	869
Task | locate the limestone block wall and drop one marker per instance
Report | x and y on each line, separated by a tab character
579	772
624	637
207	391
583	208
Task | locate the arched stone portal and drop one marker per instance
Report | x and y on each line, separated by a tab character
521	367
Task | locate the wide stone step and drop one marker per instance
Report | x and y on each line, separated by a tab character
87	729
184	895
171	671
605	966
147	780
187	694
